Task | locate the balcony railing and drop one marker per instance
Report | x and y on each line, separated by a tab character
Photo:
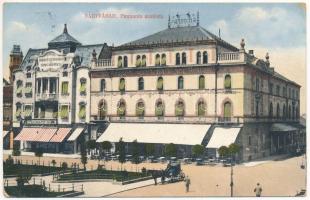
103	63
47	96
189	120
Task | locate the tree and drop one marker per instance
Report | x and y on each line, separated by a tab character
53	163
233	150
223	151
106	146
16	151
121	152
23	176
91	144
83	155
170	150
38	153
135	152
198	150
64	166
150	149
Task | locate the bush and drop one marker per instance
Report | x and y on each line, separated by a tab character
53	163
143	170
64	165
16	151
9	161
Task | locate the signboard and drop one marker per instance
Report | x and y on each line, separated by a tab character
41	122
51	60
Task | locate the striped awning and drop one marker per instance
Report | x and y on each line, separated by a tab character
76	133
60	135
27	134
5	133
45	134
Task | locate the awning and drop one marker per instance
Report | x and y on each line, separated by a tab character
278	127
186	134
76	133
27	134
39	134
60	135
223	136
45	134
5	133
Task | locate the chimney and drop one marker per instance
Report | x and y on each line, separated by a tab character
251	52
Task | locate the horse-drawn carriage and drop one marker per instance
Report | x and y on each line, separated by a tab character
174	173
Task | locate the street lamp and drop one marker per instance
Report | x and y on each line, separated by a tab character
231	178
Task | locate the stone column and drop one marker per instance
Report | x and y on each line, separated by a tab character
41	88
48	85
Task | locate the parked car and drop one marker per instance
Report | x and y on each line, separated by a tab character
128	157
162	159
199	161
187	160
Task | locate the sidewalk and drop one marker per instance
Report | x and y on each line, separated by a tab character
9	152
265	160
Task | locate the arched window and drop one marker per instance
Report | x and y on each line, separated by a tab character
160	83
293	112
205	57
270	110
183	58
278	111
180	83
102	110
102	85
18	111
82	86
227	111
122	85
19	88
143	63
140	109
198	57
163	59
179	109
227	82
141	83
138	61
82	111
120	61
297	112
177	59
159	109
125	61
201	84
157	60
284	112
121	108
289	112
201	108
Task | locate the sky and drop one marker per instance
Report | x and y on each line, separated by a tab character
277	28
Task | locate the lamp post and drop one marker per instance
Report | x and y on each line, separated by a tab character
231	178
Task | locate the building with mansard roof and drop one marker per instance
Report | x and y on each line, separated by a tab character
183	85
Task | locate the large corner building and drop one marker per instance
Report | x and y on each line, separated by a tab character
182	85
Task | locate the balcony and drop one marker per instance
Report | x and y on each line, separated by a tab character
47	96
104	63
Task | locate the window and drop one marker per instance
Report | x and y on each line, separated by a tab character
102	85
270	88
141	84
201	108
125	61
227	111
177	59
122	85
64	111
250	143
297	97
284	112
289	111
28	89
198	58
201	82
289	92
159	109
18	112
157	60
284	91
163	59
227	82
183	58
120	62
64	74
102	109
179	108
160	83
143	64
278	111
82	86
205	57
28	111
121	109
82	111
270	110
140	109
64	88
19	88
278	90
28	75
180	82
138	61
257	84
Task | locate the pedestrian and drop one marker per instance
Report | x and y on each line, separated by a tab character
187	183
258	190
154	177
162	177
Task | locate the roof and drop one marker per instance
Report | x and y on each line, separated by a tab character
85	52
223	136
31	52
186	134
276	74
65	37
179	34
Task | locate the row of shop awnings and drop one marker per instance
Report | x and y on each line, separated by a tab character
47	134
